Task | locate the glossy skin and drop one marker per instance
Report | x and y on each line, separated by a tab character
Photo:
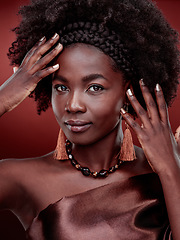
35	183
86	91
87	96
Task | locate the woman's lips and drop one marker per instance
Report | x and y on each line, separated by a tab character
78	125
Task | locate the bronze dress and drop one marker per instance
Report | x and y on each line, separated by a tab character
132	209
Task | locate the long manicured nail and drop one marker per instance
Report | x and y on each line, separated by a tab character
122	111
55	35
59	46
142	82
15	69
55	66
129	92
158	89
42	39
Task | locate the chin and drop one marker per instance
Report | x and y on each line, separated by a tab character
80	140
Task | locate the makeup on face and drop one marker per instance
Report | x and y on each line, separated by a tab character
87	94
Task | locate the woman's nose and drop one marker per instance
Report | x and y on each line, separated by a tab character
75	104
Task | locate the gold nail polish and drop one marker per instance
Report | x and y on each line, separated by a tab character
42	39
55	66
59	46
123	111
55	35
129	92
142	82
158	89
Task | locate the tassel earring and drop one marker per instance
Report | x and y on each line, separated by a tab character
127	152
60	151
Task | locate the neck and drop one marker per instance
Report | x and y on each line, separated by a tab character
100	155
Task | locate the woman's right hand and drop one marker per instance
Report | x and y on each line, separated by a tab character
30	72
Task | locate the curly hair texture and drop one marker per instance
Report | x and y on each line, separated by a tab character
133	33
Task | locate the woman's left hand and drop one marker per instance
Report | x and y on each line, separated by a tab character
160	148
155	134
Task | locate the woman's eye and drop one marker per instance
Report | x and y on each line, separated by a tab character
95	88
61	88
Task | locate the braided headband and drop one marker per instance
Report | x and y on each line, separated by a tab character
101	37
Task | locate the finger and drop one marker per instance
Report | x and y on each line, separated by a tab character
150	103
46	59
132	123
162	106
44	73
142	114
41	50
31	51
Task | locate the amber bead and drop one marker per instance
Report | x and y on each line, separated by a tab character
68	143
95	174
78	166
116	166
112	169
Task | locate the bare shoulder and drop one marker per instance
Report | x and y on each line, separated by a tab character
12	166
29	185
16	173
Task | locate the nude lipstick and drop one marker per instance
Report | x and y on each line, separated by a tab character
78	126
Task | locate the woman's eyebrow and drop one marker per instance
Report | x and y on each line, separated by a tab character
87	78
60	78
92	77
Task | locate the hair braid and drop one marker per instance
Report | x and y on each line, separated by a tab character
100	37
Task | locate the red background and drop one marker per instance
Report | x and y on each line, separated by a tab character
25	134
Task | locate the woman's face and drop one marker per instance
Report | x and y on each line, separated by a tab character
87	94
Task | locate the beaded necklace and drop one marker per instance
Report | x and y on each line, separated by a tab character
85	170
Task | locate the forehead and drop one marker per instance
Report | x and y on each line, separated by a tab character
85	57
82	60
